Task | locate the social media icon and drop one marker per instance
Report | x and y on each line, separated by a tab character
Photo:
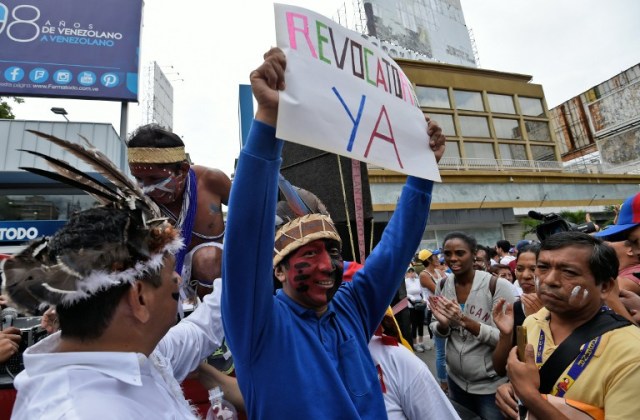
87	78
62	77
110	80
13	74
38	75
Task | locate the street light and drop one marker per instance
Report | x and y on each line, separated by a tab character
60	111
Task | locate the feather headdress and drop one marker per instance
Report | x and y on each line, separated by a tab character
121	241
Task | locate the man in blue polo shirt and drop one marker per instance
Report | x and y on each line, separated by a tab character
303	352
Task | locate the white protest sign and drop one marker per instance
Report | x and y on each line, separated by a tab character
345	95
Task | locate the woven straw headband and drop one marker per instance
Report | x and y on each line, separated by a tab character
300	232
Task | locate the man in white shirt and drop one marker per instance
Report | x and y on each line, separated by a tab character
410	391
110	274
502	248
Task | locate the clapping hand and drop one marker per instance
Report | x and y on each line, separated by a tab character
503	317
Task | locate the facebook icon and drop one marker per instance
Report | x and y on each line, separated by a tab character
13	74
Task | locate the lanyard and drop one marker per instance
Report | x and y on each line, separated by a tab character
577	367
541	340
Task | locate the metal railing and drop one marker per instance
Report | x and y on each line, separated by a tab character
499	164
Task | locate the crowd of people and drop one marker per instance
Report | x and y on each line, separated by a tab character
313	336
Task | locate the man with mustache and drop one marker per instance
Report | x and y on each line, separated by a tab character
601	373
303	352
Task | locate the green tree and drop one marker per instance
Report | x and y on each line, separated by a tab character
529	225
576	217
6	112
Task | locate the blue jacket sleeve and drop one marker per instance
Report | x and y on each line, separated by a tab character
247	292
376	283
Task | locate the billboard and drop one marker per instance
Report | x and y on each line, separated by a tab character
74	48
433	29
158	98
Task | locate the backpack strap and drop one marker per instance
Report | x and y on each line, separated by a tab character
492	285
604	321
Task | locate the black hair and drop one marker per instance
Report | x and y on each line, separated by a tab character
603	262
533	248
491	253
153	135
468	239
100	232
504	245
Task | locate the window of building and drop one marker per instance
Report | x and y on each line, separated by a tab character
512	151
543	153
538	130
479	150
433	97
531	106
446	122
452	150
42	207
501	103
507	129
474	126
471	101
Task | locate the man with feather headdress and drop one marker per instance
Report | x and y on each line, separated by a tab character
314	333
110	273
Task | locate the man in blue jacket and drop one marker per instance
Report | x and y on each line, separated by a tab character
303	352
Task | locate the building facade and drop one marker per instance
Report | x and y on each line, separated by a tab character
599	130
501	160
30	205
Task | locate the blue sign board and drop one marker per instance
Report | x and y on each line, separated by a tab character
27	230
73	48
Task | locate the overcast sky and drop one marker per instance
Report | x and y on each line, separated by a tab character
567	46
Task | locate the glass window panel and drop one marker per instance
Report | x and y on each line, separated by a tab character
501	103
452	150
538	130
512	151
531	106
42	207
471	101
479	150
445	121
433	97
507	129
543	153
474	126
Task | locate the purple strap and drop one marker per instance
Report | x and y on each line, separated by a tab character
187	227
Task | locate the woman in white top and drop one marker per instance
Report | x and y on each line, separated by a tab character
417	306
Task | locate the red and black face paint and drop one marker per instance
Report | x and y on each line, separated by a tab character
314	273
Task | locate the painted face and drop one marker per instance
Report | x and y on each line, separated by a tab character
525	272
314	274
480	261
159	182
458	256
566	284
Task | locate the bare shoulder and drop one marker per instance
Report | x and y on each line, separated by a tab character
213	180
